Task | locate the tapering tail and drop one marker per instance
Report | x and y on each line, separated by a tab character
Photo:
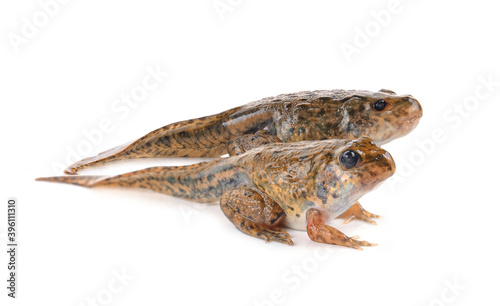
202	137
84	180
202	182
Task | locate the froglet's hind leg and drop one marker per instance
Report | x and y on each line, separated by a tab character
243	143
320	232
357	212
254	213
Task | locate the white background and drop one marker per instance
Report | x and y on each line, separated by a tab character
440	222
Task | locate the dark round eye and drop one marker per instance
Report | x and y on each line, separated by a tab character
379	105
349	159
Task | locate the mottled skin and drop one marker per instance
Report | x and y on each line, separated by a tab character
301	185
307	115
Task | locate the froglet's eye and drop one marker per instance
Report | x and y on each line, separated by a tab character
349	159
379	105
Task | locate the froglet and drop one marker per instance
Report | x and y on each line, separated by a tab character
308	115
301	185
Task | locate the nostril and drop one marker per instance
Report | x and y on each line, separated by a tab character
379	156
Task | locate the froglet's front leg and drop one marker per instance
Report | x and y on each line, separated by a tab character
320	232
357	212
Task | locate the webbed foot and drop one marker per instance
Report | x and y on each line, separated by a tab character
265	232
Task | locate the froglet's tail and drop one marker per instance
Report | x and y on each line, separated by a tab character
202	182
85	180
202	137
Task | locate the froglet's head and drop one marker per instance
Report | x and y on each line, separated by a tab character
354	168
383	116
